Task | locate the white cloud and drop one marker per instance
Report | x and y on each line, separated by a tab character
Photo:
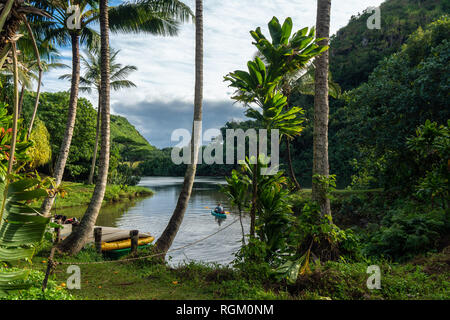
166	65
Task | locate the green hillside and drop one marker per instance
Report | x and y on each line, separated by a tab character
122	128
53	112
357	50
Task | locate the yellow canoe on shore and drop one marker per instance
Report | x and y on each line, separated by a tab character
123	244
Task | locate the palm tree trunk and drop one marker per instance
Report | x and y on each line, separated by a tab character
321	109
36	104
242	226
291	168
76	240
38	91
70	125
254	196
5	12
97	136
166	239
15	109
4	54
22	93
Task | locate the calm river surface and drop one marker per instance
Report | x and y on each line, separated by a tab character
152	215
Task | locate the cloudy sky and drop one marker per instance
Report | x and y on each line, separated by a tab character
163	99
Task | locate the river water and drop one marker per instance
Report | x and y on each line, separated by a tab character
153	213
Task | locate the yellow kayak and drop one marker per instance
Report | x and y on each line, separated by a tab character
122	244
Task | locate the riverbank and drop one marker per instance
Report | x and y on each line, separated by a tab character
79	194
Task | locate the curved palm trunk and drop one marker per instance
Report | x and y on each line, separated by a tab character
36	104
70	125
15	110
7	30
254	196
165	241
22	93
321	108
77	239
97	136
38	91
242	226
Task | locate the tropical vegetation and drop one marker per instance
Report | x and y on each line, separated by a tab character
362	117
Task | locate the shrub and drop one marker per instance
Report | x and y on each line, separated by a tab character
406	232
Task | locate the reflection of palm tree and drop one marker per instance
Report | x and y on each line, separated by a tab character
165	241
91	81
154	17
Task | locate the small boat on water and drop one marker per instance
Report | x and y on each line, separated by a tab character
219	215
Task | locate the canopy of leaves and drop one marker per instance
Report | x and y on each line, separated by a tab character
379	121
356	50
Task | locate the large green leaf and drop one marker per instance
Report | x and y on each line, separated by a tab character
21	226
14	254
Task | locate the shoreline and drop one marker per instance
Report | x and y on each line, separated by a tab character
79	194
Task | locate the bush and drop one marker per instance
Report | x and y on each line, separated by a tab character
251	260
406	232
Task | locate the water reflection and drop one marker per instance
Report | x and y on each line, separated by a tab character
152	215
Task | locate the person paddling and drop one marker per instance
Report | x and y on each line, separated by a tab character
219	209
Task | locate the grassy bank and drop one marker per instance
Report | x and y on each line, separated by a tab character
78	194
426	277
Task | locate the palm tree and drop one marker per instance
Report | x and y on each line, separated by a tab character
92	81
321	110
166	239
13	14
154	17
76	240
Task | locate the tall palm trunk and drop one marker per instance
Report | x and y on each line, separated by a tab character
254	195
77	239
242	225
38	91
22	94
321	109
166	239
8	28
15	109
70	125
97	136
36	104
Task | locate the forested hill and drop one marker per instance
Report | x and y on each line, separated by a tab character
356	50
121	128
127	143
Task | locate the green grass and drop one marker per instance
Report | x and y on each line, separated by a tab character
79	194
424	278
